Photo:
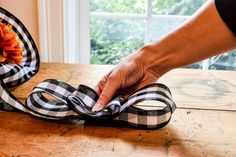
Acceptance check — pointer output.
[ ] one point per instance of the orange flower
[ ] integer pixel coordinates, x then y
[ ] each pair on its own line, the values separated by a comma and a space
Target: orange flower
10, 50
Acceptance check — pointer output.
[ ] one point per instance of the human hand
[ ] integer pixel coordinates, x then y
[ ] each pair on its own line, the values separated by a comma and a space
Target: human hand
191, 42
126, 78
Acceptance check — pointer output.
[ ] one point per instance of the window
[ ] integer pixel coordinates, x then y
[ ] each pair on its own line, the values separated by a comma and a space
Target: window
119, 27
106, 31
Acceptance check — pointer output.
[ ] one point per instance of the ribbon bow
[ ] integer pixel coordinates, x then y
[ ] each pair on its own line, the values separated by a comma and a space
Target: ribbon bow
75, 103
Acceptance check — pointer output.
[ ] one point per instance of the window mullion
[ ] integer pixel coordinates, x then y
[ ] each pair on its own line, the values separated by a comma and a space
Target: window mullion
76, 31
84, 31
206, 64
148, 32
117, 15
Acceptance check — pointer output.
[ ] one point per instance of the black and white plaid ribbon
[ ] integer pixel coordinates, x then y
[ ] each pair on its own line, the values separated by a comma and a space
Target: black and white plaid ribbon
73, 103
12, 75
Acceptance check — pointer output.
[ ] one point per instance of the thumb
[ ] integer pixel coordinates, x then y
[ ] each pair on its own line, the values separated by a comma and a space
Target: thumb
107, 94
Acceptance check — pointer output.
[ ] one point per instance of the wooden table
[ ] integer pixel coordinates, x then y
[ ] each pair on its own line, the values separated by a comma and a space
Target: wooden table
204, 123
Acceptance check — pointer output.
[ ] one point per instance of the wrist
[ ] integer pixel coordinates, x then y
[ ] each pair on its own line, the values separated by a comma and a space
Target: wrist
155, 60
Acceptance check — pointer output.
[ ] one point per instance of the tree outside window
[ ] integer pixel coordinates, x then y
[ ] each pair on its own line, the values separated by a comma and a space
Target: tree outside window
120, 27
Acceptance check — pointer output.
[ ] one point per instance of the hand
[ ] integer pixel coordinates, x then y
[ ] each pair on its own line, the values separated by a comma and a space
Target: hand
124, 79
191, 42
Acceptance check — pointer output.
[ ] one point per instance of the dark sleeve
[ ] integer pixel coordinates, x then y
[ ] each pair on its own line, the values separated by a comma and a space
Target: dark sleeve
227, 11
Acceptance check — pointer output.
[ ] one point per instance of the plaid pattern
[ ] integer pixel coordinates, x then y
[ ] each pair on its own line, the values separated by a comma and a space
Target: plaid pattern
68, 102
10, 74
78, 103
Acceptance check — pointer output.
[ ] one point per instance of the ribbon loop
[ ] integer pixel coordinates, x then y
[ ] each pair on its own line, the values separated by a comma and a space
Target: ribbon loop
78, 103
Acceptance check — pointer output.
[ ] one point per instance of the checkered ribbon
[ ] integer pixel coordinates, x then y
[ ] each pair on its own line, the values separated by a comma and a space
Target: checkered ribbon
12, 75
66, 102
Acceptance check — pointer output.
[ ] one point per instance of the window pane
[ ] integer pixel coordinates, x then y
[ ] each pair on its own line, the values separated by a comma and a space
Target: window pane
195, 66
114, 39
118, 6
162, 26
225, 61
176, 7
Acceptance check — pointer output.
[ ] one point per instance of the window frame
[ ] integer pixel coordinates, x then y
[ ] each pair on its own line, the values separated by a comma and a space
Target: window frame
76, 31
77, 45
64, 31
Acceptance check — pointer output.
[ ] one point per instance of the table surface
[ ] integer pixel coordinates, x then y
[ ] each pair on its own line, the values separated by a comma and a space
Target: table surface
204, 124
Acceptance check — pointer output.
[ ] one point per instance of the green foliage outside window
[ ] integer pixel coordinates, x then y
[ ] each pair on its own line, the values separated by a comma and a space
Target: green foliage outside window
114, 39
118, 6
176, 7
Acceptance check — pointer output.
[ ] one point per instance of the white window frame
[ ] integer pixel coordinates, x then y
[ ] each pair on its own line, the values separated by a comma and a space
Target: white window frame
76, 31
64, 31
75, 39
50, 26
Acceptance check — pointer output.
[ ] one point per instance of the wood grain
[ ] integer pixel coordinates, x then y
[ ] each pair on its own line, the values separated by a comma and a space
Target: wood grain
195, 134
190, 88
203, 125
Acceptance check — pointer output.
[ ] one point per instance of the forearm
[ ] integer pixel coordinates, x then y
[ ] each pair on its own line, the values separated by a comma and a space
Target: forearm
203, 36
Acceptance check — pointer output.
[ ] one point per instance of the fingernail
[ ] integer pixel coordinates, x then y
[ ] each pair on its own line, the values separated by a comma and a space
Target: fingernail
97, 107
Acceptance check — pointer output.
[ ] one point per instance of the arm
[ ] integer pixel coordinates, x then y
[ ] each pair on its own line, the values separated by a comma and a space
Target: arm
201, 37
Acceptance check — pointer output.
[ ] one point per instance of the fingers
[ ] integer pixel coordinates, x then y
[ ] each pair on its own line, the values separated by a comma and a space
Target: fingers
107, 94
99, 87
101, 84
